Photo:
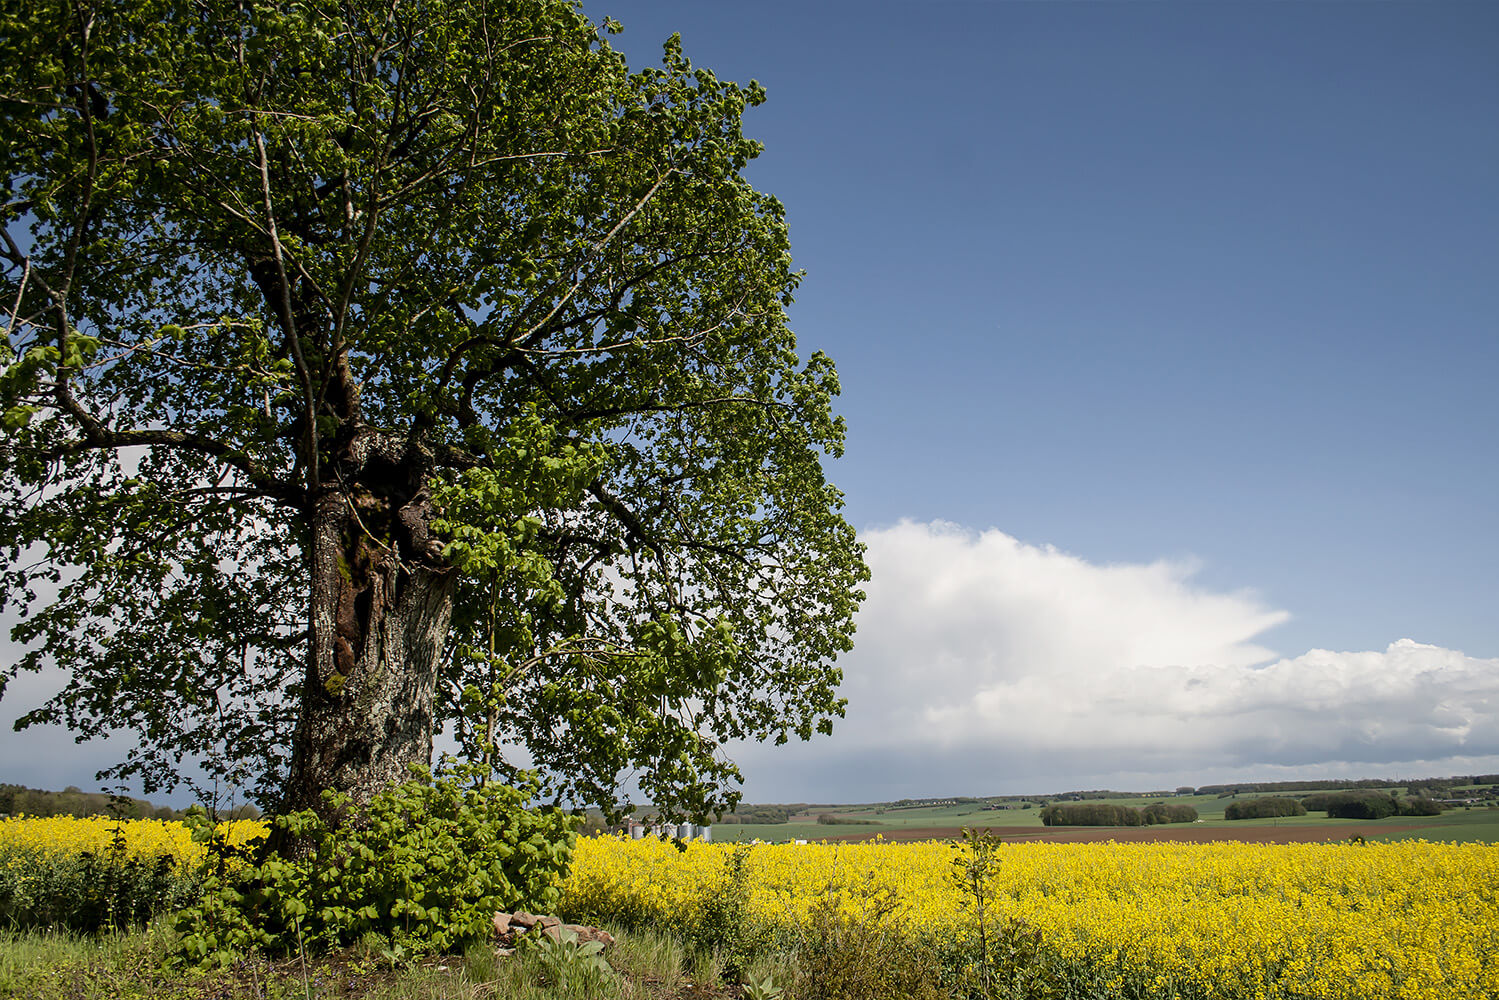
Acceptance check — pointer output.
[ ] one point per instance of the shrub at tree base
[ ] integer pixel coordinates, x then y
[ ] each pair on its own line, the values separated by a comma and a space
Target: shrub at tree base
1267, 807
425, 865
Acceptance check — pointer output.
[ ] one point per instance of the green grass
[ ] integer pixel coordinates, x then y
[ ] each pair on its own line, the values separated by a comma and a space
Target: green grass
1478, 825
65, 966
881, 818
785, 831
129, 966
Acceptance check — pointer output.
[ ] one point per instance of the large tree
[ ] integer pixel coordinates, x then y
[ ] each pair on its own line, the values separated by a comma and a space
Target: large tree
379, 366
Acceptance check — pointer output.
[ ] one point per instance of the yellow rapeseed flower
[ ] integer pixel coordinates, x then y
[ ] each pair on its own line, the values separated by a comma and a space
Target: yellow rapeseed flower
60, 836
1410, 920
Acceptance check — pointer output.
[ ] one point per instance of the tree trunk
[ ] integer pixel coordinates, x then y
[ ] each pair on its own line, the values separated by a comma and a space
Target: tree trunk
381, 604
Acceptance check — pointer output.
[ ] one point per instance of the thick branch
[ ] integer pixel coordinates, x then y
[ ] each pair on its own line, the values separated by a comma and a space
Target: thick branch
99, 438
635, 529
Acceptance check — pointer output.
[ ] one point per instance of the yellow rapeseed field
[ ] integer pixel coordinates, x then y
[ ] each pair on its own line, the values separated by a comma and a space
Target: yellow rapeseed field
1399, 920
61, 836
1410, 920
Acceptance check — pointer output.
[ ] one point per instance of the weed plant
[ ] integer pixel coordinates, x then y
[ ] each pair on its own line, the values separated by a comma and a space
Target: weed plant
859, 957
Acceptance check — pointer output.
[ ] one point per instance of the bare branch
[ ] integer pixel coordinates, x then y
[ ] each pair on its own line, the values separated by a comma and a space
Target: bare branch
598, 248
15, 311
309, 396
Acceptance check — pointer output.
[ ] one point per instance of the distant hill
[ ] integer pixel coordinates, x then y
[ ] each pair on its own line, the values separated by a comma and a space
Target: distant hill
1485, 787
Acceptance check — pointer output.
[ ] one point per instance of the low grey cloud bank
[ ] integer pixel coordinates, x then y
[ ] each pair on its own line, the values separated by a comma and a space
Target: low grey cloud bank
986, 664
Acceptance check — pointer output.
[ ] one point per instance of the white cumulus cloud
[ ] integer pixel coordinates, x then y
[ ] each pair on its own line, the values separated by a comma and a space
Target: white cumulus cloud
985, 663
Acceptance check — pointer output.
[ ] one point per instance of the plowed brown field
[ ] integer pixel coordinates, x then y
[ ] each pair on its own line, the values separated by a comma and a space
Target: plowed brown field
1180, 832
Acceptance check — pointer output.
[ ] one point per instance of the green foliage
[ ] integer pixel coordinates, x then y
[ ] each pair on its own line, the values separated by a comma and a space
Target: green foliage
64, 965
1266, 807
974, 871
1019, 965
1370, 804
1420, 806
757, 814
856, 957
568, 963
1362, 805
1163, 812
764, 988
726, 928
1319, 801
1002, 956
458, 270
1109, 814
1089, 814
425, 865
90, 892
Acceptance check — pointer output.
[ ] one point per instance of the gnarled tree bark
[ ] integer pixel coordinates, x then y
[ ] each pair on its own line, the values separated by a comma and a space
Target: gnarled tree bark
381, 602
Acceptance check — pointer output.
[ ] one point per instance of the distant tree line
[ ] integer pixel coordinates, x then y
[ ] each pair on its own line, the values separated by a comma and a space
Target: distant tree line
1272, 806
1096, 793
951, 800
1487, 791
1110, 814
1420, 802
1370, 804
1158, 813
1366, 806
1321, 784
828, 819
1429, 791
16, 800
760, 814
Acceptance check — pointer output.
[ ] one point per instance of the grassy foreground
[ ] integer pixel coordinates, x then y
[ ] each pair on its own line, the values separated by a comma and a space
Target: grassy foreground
128, 966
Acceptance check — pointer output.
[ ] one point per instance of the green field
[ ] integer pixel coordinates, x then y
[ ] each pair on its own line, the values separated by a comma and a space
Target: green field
1476, 824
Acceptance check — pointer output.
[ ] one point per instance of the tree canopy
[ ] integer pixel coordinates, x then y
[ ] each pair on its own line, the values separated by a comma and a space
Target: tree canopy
382, 367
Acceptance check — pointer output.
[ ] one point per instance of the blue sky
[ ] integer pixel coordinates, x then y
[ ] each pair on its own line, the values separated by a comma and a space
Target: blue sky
1154, 279
1169, 339
1207, 287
